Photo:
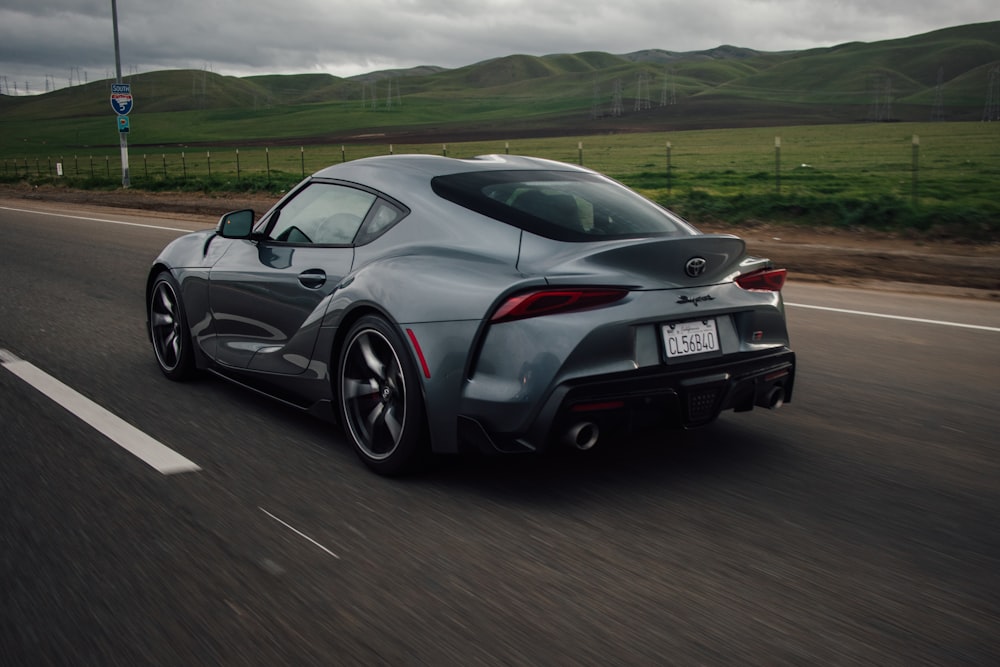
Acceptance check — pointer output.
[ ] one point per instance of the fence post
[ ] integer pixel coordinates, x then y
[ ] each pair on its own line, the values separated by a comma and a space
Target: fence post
48, 159
237, 164
184, 166
302, 158
164, 156
267, 159
444, 150
668, 169
777, 165
916, 166
38, 167
506, 148
91, 166
579, 152
208, 157
107, 165
343, 154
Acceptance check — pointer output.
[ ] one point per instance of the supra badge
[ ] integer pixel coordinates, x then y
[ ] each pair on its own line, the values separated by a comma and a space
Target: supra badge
684, 298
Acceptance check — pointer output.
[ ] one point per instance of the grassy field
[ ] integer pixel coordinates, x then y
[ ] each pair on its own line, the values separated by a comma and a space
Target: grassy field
864, 174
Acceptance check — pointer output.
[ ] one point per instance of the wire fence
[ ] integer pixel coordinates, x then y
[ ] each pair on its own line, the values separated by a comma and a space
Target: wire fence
872, 161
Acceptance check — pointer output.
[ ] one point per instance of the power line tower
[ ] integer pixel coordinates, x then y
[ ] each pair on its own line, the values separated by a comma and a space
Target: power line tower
882, 104
992, 110
937, 111
642, 93
616, 99
392, 96
668, 96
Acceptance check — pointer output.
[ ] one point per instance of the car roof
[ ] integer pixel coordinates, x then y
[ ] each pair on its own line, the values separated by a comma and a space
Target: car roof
430, 166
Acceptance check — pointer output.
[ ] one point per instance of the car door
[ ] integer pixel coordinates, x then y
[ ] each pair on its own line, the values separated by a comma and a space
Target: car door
268, 294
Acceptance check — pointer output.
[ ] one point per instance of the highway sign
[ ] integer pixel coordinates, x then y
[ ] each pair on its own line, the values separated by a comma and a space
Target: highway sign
121, 98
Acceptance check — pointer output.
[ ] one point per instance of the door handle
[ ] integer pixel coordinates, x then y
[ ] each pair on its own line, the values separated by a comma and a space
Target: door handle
312, 278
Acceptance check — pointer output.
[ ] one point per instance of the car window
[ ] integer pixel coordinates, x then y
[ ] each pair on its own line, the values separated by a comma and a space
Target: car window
567, 206
322, 213
384, 215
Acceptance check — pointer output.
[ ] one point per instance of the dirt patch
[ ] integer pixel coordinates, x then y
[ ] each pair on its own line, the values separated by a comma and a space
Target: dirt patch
834, 256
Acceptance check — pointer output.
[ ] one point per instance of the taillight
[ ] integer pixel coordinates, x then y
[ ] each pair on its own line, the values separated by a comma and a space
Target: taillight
552, 301
764, 280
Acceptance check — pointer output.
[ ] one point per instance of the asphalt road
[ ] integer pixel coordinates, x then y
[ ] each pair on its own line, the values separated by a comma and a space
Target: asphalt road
857, 525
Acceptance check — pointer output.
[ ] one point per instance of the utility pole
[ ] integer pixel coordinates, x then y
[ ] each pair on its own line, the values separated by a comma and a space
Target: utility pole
122, 136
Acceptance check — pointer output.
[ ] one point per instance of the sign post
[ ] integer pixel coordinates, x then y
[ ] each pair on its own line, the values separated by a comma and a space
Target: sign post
121, 100
121, 103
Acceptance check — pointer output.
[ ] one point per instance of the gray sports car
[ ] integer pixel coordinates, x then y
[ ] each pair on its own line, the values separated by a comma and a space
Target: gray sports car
502, 304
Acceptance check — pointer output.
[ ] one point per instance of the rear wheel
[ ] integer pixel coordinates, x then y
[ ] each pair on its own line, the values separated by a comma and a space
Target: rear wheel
168, 329
381, 406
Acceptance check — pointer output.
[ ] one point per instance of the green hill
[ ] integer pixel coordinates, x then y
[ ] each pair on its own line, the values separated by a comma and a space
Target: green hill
946, 71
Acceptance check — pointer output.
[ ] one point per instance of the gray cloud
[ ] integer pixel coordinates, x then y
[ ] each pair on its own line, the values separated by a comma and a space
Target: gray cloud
46, 38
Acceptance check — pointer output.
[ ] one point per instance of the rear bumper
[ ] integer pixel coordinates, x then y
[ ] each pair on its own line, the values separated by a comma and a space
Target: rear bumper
661, 398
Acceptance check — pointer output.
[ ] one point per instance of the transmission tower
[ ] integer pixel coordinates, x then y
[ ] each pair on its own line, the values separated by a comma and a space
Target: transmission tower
937, 111
616, 99
992, 110
882, 104
669, 93
392, 95
642, 93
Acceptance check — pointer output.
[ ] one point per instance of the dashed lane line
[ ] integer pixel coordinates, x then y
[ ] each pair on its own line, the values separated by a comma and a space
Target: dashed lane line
104, 220
921, 320
123, 434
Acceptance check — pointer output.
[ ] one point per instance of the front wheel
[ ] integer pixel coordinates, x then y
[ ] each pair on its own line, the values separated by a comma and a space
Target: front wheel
381, 406
168, 329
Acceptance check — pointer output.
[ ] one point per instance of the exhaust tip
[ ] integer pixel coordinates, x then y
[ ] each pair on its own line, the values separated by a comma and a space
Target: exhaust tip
776, 398
583, 436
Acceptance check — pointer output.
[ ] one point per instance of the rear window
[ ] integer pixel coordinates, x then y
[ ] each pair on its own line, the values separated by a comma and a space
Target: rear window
561, 205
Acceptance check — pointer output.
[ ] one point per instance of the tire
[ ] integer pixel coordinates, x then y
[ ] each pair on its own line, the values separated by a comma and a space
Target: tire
168, 329
380, 400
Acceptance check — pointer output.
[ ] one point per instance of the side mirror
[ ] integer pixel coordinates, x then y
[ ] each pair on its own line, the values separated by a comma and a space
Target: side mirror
236, 224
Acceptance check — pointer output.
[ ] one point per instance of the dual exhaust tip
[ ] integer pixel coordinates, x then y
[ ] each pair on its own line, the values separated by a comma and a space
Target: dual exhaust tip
584, 435
775, 398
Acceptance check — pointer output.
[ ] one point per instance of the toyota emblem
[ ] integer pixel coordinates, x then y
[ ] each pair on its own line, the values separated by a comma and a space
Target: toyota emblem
695, 266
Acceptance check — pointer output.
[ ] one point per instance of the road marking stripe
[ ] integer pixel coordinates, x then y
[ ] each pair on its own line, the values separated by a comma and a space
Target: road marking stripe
298, 532
123, 434
896, 317
80, 217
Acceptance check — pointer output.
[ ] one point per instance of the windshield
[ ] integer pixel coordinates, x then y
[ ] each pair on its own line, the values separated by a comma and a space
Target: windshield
562, 205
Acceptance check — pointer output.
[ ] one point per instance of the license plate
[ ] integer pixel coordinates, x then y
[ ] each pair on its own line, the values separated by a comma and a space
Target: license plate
695, 337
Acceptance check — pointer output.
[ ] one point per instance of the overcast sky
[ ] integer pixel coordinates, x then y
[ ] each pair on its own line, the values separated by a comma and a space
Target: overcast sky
46, 43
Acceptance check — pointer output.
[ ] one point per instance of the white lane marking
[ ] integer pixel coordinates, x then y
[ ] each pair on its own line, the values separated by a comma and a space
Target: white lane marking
123, 434
80, 217
943, 323
298, 532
